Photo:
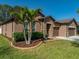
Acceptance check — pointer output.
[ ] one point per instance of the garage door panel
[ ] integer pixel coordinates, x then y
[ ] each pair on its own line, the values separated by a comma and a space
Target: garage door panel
71, 31
56, 31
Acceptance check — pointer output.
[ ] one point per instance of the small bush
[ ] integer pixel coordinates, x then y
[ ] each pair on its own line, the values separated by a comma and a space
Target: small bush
37, 35
18, 36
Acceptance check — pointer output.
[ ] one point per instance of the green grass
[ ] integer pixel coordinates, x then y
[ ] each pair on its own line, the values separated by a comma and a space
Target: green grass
59, 49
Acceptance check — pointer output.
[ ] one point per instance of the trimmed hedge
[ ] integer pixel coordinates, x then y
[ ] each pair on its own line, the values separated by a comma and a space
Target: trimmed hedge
18, 36
37, 35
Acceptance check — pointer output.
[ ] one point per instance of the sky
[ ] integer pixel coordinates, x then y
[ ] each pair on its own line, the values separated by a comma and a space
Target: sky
58, 9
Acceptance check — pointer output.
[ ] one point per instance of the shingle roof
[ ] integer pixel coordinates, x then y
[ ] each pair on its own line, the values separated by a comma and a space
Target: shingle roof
64, 21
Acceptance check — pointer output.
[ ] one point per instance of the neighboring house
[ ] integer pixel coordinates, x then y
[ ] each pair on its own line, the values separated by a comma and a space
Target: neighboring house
53, 28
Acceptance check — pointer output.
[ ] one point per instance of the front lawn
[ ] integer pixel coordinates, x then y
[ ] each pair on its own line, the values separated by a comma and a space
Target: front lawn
59, 49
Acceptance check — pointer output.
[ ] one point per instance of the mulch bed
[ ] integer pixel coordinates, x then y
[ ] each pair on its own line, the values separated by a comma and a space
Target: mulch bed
23, 44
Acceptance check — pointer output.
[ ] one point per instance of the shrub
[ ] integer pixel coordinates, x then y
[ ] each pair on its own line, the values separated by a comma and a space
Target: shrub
37, 35
18, 36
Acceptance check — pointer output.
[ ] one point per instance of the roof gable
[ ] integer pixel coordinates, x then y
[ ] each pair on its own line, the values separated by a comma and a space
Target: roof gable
49, 18
67, 21
73, 20
39, 14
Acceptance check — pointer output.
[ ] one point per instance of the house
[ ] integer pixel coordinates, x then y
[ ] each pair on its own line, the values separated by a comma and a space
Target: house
52, 27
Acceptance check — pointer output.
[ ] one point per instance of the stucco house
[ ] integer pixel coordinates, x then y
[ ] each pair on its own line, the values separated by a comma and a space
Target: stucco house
52, 27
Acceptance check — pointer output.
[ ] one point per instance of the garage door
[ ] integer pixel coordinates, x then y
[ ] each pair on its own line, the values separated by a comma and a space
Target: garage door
56, 31
71, 31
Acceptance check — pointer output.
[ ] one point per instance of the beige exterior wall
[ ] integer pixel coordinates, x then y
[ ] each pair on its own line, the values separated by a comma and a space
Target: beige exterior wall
38, 26
3, 29
9, 30
18, 27
10, 27
14, 24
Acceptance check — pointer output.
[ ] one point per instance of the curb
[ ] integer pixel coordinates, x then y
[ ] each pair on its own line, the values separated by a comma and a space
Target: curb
25, 47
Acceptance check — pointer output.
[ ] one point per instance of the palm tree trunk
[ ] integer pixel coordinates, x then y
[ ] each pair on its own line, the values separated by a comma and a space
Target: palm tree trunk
44, 30
29, 33
25, 36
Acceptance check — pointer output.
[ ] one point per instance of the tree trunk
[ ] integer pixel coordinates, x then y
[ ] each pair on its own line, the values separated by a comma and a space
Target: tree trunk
44, 30
25, 36
29, 33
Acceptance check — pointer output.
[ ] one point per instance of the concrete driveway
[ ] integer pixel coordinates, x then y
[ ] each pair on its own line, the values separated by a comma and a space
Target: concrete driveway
71, 38
74, 38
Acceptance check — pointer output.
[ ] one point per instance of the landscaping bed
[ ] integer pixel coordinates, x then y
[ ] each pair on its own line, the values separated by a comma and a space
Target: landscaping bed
22, 44
19, 40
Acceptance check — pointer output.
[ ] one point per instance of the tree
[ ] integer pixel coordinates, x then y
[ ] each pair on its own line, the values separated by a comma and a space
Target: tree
43, 20
25, 15
30, 18
20, 14
4, 15
77, 11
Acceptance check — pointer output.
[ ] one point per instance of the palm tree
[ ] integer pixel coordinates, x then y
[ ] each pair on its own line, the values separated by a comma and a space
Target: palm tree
25, 15
43, 19
30, 18
20, 14
77, 11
